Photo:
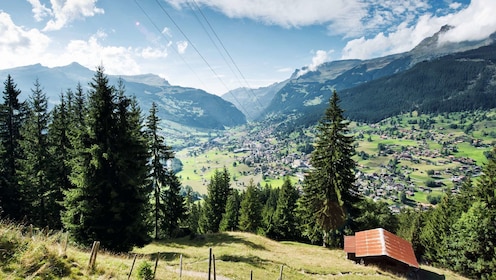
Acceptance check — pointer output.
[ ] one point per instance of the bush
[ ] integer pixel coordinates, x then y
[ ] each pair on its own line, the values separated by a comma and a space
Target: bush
145, 271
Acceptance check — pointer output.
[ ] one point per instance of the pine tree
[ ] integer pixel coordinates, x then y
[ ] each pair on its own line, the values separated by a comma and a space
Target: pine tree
215, 203
60, 144
109, 171
12, 114
39, 194
230, 218
160, 154
175, 208
329, 192
285, 221
193, 212
268, 198
250, 217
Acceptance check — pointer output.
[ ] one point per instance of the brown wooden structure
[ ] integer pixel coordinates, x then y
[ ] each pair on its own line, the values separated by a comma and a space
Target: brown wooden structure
381, 247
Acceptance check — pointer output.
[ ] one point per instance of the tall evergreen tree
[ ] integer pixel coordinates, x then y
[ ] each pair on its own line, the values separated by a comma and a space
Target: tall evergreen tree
160, 154
12, 114
230, 218
215, 204
39, 194
250, 217
60, 144
175, 208
268, 198
193, 213
329, 192
285, 218
109, 171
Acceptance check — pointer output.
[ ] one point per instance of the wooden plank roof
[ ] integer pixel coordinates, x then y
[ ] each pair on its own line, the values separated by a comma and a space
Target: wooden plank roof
380, 242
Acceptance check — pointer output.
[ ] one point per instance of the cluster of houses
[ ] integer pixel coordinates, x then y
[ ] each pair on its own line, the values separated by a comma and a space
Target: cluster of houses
269, 157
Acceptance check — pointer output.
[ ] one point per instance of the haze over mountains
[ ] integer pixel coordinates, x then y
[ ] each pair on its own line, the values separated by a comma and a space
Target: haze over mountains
186, 106
432, 77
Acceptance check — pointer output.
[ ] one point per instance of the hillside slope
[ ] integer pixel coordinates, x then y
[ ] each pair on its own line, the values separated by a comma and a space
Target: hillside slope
186, 106
42, 256
307, 93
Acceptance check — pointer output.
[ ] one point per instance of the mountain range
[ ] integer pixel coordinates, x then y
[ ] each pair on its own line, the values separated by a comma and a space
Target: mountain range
435, 76
186, 106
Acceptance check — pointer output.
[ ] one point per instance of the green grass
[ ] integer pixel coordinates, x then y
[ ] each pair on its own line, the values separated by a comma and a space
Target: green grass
237, 254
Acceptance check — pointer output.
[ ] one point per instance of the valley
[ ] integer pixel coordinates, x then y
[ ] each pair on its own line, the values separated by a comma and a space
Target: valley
409, 159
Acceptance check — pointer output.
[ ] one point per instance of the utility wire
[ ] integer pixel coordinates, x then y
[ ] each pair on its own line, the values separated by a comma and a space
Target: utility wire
228, 54
198, 52
162, 34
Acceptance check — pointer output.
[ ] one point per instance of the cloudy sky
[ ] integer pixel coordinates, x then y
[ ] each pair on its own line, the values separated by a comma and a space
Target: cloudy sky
220, 45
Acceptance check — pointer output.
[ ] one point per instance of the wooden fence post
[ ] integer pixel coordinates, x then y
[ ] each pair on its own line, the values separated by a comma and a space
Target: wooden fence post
213, 260
209, 262
93, 254
181, 267
156, 264
132, 266
251, 274
280, 273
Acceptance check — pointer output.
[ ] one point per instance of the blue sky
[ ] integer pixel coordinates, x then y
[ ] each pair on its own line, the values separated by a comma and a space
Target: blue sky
220, 45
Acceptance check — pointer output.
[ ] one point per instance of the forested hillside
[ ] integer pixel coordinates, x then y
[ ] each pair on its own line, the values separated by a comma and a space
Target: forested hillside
372, 92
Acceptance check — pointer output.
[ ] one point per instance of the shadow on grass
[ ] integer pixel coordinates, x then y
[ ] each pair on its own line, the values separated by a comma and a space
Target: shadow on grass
215, 239
164, 256
251, 260
427, 275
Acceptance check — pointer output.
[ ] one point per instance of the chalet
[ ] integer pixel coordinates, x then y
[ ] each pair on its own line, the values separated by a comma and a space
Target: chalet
381, 247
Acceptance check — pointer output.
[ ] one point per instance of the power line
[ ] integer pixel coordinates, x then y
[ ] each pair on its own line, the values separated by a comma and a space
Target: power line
182, 58
250, 90
197, 51
162, 34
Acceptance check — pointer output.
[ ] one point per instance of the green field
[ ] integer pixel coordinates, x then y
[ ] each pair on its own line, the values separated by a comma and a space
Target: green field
434, 142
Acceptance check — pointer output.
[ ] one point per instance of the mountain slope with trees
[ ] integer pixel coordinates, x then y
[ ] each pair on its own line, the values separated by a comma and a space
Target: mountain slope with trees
185, 106
433, 72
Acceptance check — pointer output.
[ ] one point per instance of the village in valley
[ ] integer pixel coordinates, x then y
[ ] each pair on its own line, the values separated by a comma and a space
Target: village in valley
408, 161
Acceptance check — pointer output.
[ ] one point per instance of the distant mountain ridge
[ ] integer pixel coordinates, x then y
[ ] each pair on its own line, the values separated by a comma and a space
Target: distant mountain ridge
186, 106
307, 92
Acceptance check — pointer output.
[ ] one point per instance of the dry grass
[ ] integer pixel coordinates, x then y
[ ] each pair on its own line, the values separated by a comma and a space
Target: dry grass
42, 256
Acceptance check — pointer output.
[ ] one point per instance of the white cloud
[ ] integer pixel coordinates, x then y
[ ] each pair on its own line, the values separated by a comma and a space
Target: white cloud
320, 57
290, 13
116, 59
152, 53
167, 31
403, 39
182, 46
39, 10
21, 46
475, 22
455, 5
66, 11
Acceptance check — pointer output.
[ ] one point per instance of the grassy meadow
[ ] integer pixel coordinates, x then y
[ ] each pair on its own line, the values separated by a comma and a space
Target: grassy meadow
237, 255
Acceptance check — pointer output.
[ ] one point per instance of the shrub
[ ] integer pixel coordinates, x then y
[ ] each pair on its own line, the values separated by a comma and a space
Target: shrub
145, 271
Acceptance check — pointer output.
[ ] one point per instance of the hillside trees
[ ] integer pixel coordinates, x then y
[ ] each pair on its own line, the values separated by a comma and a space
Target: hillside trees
109, 171
41, 196
12, 115
215, 204
168, 205
230, 219
250, 213
329, 195
285, 223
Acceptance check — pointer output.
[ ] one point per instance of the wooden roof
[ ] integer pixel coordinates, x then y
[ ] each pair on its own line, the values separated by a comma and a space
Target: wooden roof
380, 242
